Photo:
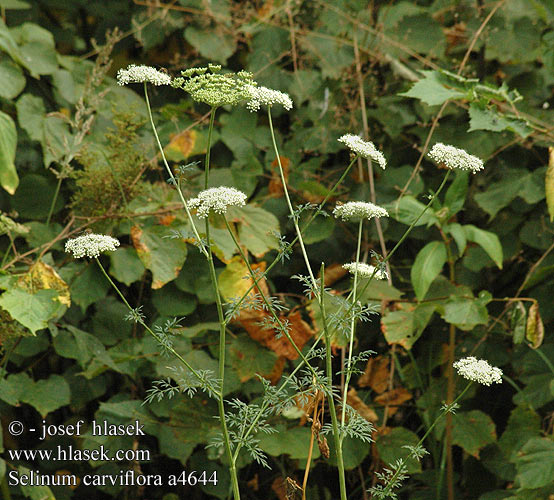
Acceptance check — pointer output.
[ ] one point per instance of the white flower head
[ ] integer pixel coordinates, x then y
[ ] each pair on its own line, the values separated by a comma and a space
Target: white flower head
216, 199
356, 210
364, 149
91, 245
141, 74
262, 96
365, 270
478, 370
455, 158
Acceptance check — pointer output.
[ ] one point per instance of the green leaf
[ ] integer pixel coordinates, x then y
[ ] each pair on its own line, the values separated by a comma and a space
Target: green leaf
8, 142
65, 85
408, 209
466, 312
431, 89
125, 265
354, 452
257, 229
320, 229
162, 255
40, 59
87, 284
427, 266
391, 448
404, 327
294, 442
523, 425
34, 492
332, 55
31, 310
12, 80
549, 184
34, 197
47, 395
248, 358
482, 118
536, 392
457, 192
30, 115
214, 44
459, 235
170, 301
472, 431
535, 463
488, 241
518, 317
14, 4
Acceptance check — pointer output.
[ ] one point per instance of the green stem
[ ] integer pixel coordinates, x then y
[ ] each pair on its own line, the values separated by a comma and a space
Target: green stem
54, 199
172, 177
352, 329
329, 373
208, 149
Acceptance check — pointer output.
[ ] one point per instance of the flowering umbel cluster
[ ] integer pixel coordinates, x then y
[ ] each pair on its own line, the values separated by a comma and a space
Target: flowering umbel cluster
455, 158
141, 74
356, 210
211, 87
91, 245
365, 270
478, 370
364, 149
216, 199
262, 96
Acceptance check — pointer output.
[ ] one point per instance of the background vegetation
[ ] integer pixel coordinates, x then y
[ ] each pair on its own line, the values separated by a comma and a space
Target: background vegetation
76, 153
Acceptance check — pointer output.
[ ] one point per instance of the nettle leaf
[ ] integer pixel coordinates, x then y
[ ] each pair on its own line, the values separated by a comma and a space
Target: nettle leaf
427, 266
47, 395
257, 229
32, 310
488, 241
482, 118
466, 312
535, 463
432, 90
125, 265
162, 255
12, 80
30, 115
8, 141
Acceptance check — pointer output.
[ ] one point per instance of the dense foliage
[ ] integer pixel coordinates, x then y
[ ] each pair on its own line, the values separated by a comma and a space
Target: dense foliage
475, 276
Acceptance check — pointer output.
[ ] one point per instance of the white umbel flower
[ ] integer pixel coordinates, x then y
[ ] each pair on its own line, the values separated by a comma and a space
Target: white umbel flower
141, 74
478, 370
364, 149
216, 199
262, 96
365, 270
91, 245
455, 158
356, 210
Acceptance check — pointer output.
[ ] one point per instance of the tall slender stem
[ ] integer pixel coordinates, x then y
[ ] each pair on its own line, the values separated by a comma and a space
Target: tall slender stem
208, 149
54, 199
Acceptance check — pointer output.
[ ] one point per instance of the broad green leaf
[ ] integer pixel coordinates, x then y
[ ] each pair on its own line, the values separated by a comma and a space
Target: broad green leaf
31, 310
549, 184
213, 44
30, 115
14, 4
162, 255
431, 89
320, 229
377, 290
65, 85
459, 235
457, 192
34, 492
391, 447
536, 392
488, 119
332, 55
466, 312
408, 209
47, 395
257, 229
9, 45
421, 33
405, 326
248, 358
125, 265
34, 197
354, 452
523, 425
12, 80
472, 431
294, 442
8, 142
518, 317
86, 282
170, 301
427, 266
57, 140
535, 463
488, 241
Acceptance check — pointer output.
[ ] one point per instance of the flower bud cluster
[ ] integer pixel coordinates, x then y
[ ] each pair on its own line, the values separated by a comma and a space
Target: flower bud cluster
216, 199
91, 245
364, 149
141, 74
262, 96
455, 158
211, 87
365, 270
356, 210
478, 370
